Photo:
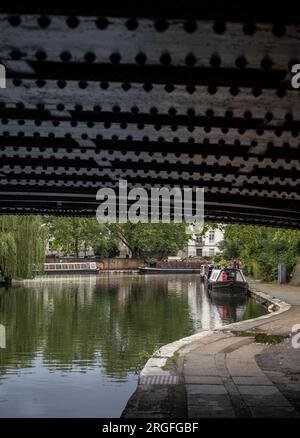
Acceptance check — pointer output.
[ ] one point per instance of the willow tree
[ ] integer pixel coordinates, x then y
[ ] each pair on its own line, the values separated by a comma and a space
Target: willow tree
22, 246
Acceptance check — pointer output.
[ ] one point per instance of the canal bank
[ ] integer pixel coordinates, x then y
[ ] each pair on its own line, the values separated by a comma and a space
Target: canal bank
245, 369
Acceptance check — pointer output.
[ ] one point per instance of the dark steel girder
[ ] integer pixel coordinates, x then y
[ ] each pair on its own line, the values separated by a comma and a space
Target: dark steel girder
167, 94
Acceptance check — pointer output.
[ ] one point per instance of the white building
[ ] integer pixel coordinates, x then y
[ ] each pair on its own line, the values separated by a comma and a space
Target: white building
203, 246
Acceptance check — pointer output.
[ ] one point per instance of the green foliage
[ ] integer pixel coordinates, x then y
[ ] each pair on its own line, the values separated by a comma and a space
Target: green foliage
230, 249
261, 338
22, 246
211, 226
144, 239
261, 249
107, 248
8, 252
217, 258
121, 320
73, 234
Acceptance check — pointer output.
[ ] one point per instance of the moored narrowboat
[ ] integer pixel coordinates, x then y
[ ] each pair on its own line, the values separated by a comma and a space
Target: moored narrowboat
230, 281
146, 270
84, 268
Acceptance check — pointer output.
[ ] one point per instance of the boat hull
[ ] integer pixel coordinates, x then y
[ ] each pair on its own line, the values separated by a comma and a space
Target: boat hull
168, 271
228, 288
72, 272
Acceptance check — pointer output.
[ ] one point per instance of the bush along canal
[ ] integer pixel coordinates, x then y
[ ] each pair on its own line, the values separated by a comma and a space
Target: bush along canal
75, 346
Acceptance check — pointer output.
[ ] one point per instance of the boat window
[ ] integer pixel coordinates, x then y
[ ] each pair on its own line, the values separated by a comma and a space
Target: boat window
230, 274
214, 274
239, 276
69, 266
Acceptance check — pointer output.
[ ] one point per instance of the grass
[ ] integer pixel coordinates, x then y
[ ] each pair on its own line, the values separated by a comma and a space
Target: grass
262, 338
175, 358
143, 357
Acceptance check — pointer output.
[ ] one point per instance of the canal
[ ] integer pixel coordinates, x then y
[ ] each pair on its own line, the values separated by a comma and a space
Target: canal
74, 346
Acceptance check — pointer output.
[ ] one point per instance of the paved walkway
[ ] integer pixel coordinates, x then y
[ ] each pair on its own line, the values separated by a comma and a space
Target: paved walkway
222, 379
225, 375
221, 374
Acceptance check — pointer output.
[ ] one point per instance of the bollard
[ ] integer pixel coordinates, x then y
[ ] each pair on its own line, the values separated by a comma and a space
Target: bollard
281, 273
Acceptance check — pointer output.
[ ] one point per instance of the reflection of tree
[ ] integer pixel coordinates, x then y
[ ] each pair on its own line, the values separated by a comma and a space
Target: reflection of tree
72, 323
22, 314
2, 336
254, 310
157, 317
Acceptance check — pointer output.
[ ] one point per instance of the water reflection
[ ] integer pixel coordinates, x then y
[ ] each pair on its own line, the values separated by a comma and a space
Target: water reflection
73, 345
236, 308
2, 336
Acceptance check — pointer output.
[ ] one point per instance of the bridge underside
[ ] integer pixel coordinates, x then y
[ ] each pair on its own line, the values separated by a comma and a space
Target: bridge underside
166, 96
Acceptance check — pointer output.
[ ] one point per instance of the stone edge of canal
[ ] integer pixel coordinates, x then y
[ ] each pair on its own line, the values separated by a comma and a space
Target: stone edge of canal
161, 369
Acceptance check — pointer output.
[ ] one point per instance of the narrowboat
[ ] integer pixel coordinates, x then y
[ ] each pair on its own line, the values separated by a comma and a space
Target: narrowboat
85, 268
146, 270
180, 266
229, 281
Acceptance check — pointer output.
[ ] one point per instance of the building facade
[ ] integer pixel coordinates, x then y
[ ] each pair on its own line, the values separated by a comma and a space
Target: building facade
203, 246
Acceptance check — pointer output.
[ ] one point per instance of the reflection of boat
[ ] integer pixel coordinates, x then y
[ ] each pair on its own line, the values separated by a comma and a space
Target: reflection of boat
85, 268
229, 281
231, 300
230, 308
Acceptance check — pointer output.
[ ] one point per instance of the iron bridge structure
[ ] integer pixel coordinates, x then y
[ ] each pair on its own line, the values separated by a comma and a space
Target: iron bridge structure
173, 94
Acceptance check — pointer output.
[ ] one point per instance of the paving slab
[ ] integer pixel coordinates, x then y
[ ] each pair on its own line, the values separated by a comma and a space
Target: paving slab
231, 387
208, 380
241, 370
257, 389
194, 412
205, 389
210, 405
274, 412
265, 400
251, 380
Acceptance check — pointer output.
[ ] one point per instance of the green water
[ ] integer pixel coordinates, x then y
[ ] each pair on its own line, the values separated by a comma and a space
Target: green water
74, 346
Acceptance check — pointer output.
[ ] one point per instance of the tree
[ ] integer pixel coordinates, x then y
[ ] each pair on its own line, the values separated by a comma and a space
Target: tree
144, 239
107, 248
22, 246
211, 226
230, 249
260, 249
73, 234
